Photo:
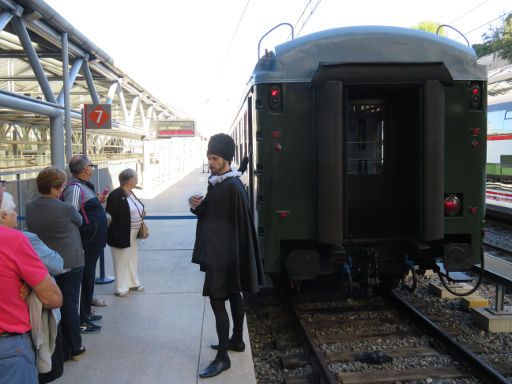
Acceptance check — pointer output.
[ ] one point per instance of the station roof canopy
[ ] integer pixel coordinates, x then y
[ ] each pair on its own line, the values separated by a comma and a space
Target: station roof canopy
31, 73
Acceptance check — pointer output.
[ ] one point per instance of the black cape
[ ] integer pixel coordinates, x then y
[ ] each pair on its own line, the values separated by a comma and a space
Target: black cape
226, 245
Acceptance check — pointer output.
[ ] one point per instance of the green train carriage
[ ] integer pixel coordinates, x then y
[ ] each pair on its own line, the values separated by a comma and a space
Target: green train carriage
367, 149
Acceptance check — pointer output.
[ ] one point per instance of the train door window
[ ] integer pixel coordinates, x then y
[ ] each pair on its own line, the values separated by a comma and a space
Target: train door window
365, 141
507, 123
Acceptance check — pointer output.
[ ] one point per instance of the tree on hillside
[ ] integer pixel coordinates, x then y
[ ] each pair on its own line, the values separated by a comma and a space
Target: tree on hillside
497, 39
429, 26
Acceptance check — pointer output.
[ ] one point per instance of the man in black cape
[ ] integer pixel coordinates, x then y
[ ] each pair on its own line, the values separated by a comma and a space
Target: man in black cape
225, 248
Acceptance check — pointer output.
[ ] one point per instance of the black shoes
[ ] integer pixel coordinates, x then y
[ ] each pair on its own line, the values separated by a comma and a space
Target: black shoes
216, 367
89, 328
75, 356
93, 317
232, 346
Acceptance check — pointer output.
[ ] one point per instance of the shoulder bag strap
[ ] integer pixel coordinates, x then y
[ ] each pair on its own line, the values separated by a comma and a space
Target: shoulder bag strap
136, 206
82, 194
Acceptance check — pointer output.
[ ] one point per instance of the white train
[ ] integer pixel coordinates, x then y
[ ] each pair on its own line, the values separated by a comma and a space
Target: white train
499, 151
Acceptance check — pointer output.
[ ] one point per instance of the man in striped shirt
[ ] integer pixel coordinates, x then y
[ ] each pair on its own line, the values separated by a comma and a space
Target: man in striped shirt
81, 194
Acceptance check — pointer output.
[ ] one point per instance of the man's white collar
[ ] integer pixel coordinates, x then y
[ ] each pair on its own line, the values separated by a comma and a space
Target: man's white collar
214, 179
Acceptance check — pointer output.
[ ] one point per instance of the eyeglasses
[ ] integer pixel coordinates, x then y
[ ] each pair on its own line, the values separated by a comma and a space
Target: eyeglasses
3, 183
91, 165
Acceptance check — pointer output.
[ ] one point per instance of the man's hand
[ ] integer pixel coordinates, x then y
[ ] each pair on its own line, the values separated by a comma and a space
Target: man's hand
24, 291
195, 201
101, 197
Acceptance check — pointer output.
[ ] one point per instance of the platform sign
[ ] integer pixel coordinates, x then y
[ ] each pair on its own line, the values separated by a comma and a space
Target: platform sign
98, 116
176, 128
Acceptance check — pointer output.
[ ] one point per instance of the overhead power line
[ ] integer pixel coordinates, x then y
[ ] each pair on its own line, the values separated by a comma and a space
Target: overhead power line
488, 22
468, 12
221, 64
313, 9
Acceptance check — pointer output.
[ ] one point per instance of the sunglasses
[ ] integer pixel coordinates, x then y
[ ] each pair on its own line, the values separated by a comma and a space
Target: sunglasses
3, 183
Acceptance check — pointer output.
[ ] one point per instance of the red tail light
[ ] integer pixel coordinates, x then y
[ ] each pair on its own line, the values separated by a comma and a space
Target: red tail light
452, 205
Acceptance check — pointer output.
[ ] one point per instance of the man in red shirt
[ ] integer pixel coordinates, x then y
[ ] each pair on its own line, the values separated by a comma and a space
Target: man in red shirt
20, 263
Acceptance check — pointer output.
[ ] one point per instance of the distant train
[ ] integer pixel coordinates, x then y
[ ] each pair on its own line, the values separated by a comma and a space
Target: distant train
367, 149
499, 152
499, 139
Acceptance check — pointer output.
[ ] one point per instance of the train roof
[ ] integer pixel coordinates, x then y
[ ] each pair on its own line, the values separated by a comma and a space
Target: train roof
298, 60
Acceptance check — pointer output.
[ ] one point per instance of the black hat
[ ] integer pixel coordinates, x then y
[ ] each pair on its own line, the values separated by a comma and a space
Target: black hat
221, 145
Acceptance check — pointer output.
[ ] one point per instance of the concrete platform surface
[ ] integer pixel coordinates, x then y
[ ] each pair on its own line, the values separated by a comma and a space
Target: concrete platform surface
162, 335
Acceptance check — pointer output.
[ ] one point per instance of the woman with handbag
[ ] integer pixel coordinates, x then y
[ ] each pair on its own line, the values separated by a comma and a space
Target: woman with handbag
127, 226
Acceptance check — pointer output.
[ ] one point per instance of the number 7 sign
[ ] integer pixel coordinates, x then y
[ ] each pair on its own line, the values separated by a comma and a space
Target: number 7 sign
98, 116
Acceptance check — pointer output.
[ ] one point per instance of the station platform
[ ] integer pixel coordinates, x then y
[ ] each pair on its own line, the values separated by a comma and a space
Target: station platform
162, 335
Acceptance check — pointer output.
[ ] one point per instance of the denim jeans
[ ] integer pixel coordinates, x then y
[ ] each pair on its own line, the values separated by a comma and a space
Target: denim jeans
17, 360
69, 284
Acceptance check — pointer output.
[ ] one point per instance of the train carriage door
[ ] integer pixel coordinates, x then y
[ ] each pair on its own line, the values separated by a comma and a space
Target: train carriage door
382, 139
329, 135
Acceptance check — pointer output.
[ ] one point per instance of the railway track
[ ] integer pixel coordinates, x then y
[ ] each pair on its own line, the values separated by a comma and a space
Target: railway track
378, 341
498, 240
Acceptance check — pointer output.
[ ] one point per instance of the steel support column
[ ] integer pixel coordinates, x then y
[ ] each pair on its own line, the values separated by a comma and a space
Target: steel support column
57, 141
22, 33
90, 83
73, 73
5, 17
111, 92
133, 110
120, 93
67, 103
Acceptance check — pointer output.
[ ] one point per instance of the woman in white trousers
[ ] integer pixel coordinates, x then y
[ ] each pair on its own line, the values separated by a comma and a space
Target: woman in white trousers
127, 213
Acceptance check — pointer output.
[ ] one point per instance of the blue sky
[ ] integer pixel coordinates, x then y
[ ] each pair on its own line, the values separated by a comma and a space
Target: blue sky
188, 54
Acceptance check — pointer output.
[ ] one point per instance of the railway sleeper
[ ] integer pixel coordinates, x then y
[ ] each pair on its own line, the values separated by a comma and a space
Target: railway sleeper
296, 379
386, 376
354, 338
345, 357
294, 360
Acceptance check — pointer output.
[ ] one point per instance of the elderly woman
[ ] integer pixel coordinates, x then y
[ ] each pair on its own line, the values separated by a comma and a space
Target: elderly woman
57, 223
9, 218
127, 213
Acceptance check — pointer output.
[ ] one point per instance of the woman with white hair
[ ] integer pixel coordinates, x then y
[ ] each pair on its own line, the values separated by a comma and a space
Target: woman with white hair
9, 218
127, 212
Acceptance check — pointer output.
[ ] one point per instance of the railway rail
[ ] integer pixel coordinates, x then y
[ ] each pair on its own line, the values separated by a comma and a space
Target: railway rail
340, 339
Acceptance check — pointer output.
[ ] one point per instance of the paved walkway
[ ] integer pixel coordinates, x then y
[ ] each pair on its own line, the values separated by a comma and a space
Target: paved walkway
164, 334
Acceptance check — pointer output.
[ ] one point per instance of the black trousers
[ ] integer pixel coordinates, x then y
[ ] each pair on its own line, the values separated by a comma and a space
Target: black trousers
69, 284
91, 258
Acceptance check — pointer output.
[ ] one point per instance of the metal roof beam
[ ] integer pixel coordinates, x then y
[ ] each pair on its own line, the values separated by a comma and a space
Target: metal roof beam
111, 92
19, 54
19, 26
23, 103
5, 17
90, 82
72, 77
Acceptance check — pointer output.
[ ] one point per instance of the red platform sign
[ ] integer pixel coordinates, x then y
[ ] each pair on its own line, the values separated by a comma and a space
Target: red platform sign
98, 116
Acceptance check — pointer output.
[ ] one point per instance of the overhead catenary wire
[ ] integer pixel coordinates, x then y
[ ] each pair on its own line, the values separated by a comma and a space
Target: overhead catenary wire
486, 23
490, 21
233, 37
313, 9
468, 12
